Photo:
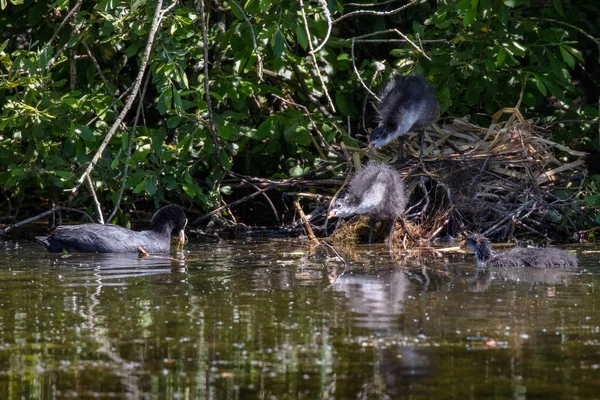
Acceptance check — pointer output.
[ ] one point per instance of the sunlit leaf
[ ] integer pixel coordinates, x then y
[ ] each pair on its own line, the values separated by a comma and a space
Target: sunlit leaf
500, 57
301, 35
296, 171
84, 132
139, 187
470, 13
64, 174
567, 57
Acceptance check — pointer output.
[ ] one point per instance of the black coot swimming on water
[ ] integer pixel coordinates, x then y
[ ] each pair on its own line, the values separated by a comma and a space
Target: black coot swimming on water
377, 191
407, 104
97, 238
547, 257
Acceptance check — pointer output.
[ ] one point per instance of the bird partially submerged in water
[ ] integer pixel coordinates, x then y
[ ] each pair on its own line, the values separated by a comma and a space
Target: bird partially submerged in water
99, 238
407, 104
377, 191
520, 256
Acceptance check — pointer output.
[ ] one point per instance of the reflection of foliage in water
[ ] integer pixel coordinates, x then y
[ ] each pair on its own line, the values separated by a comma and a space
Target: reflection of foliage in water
263, 318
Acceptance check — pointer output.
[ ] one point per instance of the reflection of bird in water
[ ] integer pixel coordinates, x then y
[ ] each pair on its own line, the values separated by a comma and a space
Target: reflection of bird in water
377, 191
376, 300
531, 277
99, 238
407, 103
518, 257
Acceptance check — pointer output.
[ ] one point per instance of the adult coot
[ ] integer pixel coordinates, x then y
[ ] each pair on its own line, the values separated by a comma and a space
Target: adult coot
407, 103
377, 191
97, 238
519, 257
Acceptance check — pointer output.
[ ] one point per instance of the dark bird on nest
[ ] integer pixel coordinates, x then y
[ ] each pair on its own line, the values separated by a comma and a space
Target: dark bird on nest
377, 191
98, 238
407, 104
547, 257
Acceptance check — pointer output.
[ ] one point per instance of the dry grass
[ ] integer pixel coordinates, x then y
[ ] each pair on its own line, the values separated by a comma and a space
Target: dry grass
500, 181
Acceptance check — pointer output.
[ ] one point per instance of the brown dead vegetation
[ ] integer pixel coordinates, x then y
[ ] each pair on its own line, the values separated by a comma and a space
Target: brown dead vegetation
505, 180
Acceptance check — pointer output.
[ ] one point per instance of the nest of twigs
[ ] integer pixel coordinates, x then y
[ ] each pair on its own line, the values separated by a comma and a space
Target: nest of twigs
507, 180
502, 181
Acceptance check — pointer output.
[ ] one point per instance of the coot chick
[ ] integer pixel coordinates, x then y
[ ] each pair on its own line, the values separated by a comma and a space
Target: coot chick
519, 257
98, 238
407, 104
377, 191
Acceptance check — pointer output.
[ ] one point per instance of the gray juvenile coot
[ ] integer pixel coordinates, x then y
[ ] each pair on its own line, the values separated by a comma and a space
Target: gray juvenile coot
519, 257
97, 238
377, 191
407, 103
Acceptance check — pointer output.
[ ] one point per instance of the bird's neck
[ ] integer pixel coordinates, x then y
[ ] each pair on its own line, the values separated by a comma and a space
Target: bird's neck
164, 230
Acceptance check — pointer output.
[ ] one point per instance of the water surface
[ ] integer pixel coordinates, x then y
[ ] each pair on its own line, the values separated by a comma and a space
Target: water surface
277, 319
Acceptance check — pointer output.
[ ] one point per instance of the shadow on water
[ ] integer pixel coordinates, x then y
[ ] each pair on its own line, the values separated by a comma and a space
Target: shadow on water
262, 318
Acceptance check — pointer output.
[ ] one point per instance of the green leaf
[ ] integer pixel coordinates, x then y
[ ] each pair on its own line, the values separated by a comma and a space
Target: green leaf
557, 66
236, 11
567, 57
278, 44
264, 5
517, 48
500, 57
445, 99
150, 186
346, 107
224, 131
574, 52
297, 133
540, 85
591, 200
139, 187
57, 182
470, 14
172, 122
559, 8
84, 132
107, 5
267, 128
70, 101
132, 50
45, 56
301, 35
296, 171
16, 171
64, 174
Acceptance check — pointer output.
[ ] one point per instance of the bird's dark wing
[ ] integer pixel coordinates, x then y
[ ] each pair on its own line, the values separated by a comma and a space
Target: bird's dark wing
98, 238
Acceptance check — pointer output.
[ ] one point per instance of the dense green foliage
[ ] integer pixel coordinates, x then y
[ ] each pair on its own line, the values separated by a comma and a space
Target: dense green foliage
483, 54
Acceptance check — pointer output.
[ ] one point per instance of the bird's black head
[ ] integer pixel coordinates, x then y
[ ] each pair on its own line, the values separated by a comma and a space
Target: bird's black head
169, 220
342, 207
480, 245
382, 135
